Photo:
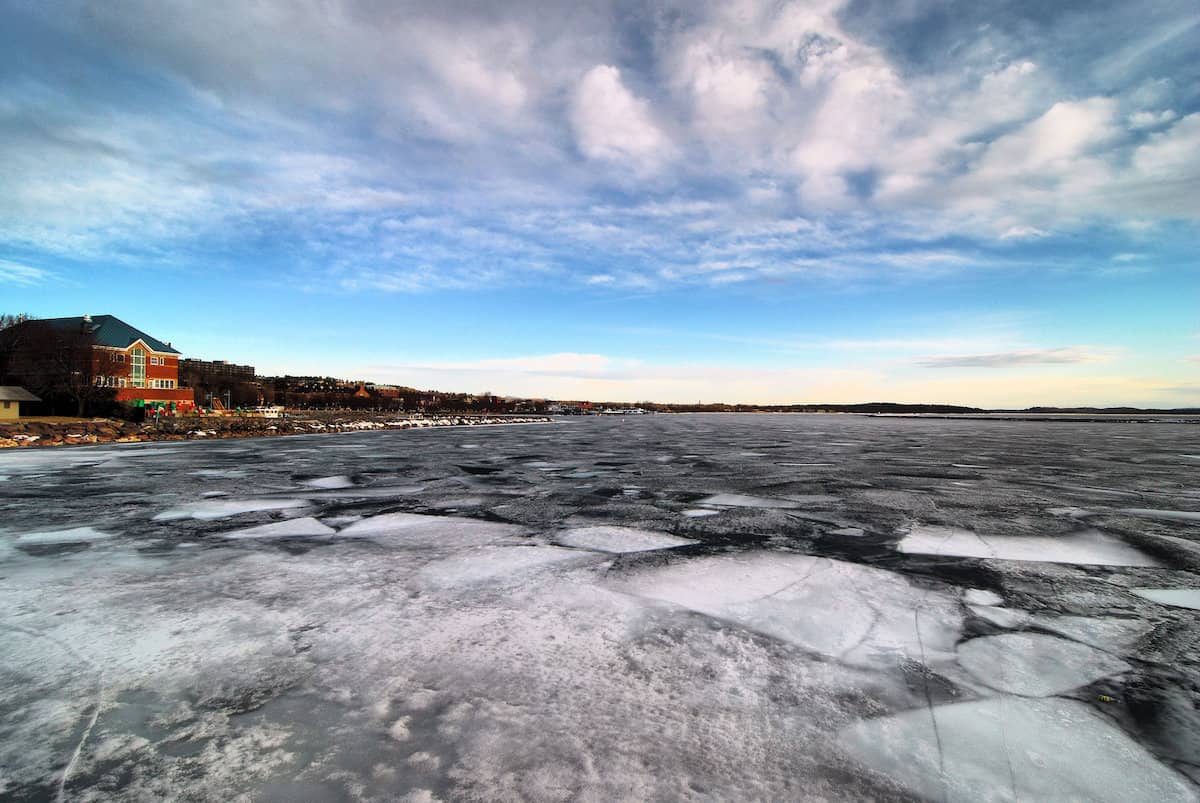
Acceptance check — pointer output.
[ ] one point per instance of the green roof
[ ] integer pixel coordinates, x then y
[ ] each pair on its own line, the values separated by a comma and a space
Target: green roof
110, 330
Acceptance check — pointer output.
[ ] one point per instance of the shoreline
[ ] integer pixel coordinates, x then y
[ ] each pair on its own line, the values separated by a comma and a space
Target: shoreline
41, 435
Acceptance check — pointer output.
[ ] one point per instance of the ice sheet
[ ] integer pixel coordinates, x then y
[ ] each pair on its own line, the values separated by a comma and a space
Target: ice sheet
306, 527
1175, 597
492, 564
880, 616
224, 508
619, 539
1035, 665
1088, 547
1014, 749
979, 596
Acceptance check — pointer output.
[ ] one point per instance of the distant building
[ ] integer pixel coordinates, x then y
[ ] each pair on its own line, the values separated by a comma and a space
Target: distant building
218, 369
10, 401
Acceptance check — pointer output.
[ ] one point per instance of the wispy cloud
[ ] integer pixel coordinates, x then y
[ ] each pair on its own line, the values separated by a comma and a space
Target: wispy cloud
1067, 355
25, 275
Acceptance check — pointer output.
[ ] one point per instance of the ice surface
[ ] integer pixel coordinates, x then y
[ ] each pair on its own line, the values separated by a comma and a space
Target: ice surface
619, 539
72, 536
1007, 748
340, 481
289, 668
1089, 547
1176, 597
1178, 515
979, 596
291, 528
849, 532
1034, 665
745, 500
699, 512
224, 508
879, 614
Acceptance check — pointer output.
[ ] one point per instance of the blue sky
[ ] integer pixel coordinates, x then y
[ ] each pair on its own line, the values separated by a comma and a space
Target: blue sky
979, 203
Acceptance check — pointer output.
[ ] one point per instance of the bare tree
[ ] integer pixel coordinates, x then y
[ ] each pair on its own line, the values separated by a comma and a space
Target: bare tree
58, 363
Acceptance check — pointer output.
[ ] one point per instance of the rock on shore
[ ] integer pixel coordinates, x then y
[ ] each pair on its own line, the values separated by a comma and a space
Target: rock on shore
104, 430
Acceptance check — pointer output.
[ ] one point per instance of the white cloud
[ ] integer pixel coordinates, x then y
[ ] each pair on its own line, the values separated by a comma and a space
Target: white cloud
1148, 119
24, 275
613, 124
1067, 355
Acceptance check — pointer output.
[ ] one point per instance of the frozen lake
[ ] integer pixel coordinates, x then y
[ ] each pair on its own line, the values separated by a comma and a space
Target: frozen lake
651, 608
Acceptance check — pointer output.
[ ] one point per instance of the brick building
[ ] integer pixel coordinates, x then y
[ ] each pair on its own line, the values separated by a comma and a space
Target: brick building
143, 369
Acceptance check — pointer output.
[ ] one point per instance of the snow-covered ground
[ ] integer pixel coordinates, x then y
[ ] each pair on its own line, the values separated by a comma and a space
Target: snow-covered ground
661, 607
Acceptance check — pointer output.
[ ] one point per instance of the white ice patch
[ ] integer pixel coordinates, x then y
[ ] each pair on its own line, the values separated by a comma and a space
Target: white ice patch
744, 500
1153, 513
1034, 665
76, 535
292, 528
1089, 547
492, 563
412, 529
1000, 617
1013, 749
699, 512
1175, 597
619, 539
340, 481
979, 596
207, 511
849, 532
879, 616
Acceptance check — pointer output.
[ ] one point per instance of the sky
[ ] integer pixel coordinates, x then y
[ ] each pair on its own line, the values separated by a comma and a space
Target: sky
993, 204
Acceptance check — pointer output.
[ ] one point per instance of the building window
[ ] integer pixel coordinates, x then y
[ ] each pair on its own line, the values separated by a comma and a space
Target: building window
138, 368
121, 382
156, 360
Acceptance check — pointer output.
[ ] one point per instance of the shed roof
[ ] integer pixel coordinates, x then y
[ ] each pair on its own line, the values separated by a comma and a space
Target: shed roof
110, 330
16, 393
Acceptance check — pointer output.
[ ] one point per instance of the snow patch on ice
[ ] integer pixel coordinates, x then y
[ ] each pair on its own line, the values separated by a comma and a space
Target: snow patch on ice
207, 511
1035, 665
849, 532
619, 539
1175, 597
1013, 749
292, 528
75, 535
699, 512
879, 614
1088, 547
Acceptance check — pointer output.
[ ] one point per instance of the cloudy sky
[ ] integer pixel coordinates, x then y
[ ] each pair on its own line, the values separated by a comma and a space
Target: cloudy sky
913, 200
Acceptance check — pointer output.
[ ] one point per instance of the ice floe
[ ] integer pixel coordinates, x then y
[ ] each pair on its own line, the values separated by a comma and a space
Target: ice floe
306, 527
880, 616
224, 508
75, 535
1013, 749
1035, 665
700, 512
1175, 597
1088, 547
619, 539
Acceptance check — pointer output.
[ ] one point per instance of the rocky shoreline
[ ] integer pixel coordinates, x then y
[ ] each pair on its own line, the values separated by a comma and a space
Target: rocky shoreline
27, 434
